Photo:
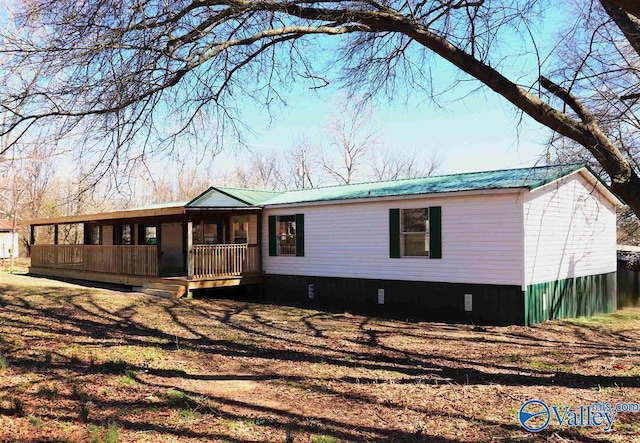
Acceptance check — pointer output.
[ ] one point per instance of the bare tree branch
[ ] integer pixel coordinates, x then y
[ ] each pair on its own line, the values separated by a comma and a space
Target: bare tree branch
146, 73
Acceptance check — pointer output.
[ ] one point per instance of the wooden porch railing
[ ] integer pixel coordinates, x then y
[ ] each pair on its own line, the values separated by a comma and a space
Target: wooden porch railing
121, 259
210, 261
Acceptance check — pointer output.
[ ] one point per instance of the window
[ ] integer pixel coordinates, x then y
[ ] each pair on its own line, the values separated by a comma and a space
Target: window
196, 232
415, 232
95, 235
150, 235
126, 238
210, 233
286, 235
240, 229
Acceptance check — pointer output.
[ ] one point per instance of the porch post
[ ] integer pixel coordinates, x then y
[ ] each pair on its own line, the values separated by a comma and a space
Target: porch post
55, 250
259, 241
159, 247
190, 250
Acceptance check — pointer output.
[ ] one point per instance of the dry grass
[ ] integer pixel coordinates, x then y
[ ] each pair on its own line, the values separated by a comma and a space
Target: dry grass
87, 364
20, 265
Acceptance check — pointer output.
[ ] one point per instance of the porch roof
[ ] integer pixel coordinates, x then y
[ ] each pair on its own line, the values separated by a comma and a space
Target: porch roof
175, 208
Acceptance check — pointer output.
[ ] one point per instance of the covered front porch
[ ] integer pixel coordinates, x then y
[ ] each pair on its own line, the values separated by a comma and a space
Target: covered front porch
184, 244
207, 261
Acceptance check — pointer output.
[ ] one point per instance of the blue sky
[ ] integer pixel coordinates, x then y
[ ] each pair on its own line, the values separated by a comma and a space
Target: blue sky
471, 131
479, 132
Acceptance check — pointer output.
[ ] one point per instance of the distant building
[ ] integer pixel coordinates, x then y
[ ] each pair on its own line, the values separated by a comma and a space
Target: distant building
8, 240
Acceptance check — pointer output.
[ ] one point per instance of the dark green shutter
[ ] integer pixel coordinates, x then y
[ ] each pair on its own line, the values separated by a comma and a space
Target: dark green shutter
394, 233
273, 247
435, 232
300, 235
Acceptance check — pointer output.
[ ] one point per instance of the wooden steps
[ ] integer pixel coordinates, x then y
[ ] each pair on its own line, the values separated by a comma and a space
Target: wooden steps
167, 290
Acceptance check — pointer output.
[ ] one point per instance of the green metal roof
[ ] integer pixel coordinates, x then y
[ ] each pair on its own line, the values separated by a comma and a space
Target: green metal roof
250, 196
241, 197
530, 178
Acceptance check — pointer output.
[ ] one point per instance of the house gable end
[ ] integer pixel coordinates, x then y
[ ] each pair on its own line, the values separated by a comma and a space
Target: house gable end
585, 173
220, 197
216, 198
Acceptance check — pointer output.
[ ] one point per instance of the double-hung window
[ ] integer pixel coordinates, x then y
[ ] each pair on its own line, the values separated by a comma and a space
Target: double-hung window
126, 237
286, 235
415, 232
95, 235
150, 235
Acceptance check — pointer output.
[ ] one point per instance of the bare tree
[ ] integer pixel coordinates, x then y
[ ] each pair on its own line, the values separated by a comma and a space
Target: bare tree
263, 171
25, 183
389, 164
145, 72
179, 180
303, 165
628, 228
352, 139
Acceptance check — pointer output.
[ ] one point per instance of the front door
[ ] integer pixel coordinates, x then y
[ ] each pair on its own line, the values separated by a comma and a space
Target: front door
171, 249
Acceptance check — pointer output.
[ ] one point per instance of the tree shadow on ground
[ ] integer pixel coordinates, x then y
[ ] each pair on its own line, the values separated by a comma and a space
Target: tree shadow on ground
416, 354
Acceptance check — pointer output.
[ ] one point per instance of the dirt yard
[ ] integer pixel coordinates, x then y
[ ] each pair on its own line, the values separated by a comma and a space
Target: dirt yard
86, 364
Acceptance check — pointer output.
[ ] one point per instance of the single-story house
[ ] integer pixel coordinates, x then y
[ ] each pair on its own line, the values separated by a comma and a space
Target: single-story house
515, 246
8, 240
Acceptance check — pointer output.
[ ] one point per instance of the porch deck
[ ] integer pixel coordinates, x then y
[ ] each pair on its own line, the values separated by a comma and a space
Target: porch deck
208, 266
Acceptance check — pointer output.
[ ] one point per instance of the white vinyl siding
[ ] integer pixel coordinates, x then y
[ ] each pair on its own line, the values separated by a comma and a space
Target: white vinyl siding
570, 231
481, 241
